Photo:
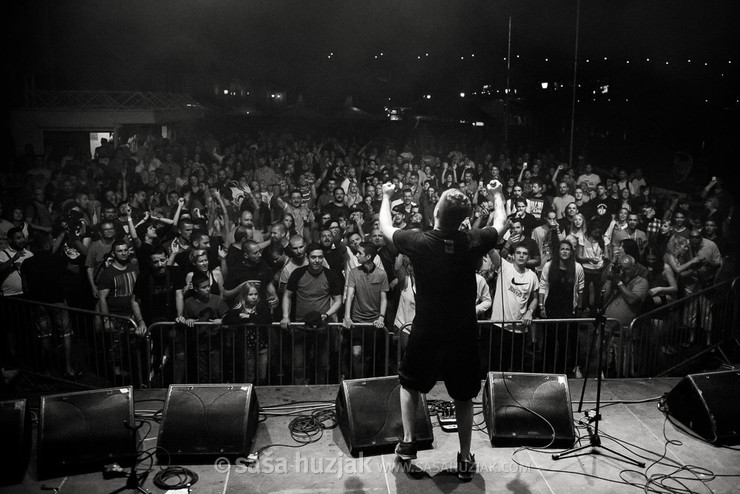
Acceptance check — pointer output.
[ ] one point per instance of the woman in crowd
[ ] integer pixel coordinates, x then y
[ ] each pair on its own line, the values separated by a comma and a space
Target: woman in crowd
289, 223
199, 260
561, 292
593, 257
678, 257
576, 231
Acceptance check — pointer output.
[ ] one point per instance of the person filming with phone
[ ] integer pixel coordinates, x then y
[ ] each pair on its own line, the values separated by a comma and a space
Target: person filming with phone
624, 293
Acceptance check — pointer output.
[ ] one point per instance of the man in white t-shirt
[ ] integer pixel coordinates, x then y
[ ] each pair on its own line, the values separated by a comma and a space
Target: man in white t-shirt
589, 177
515, 299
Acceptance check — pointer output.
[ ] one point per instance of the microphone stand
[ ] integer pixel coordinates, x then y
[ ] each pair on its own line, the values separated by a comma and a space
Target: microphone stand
593, 433
133, 479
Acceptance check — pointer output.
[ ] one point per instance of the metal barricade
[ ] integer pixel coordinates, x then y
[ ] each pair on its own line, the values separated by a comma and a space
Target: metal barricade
211, 352
559, 346
667, 338
46, 339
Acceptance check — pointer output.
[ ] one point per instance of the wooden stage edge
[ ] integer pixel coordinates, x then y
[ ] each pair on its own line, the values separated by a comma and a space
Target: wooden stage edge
631, 425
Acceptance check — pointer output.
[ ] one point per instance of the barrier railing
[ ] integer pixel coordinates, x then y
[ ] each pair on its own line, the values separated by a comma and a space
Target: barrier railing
47, 339
558, 346
51, 339
665, 339
268, 354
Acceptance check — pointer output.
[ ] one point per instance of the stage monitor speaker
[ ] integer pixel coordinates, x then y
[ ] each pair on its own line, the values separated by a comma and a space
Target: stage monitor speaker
527, 409
84, 431
369, 416
203, 422
708, 404
15, 429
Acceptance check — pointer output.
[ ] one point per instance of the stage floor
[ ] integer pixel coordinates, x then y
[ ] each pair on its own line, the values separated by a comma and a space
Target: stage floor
629, 416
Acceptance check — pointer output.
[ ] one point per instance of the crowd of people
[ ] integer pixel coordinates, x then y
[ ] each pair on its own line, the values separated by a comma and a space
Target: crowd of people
280, 229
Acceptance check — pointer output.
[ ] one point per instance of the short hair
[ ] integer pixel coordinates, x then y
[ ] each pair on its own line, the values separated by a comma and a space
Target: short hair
198, 234
184, 221
158, 251
452, 208
248, 243
314, 246
113, 246
199, 277
196, 253
520, 245
240, 234
13, 231
280, 226
370, 249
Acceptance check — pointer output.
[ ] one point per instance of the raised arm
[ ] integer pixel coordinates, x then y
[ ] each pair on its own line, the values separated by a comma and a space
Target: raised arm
497, 219
385, 220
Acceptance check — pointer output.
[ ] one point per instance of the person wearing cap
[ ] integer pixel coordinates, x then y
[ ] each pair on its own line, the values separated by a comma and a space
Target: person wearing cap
443, 342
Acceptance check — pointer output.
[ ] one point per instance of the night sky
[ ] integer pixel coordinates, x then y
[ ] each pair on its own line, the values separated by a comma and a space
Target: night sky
326, 50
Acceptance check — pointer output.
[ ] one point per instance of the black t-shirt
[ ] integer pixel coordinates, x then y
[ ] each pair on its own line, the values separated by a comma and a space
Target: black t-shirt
156, 294
444, 267
44, 273
559, 303
260, 273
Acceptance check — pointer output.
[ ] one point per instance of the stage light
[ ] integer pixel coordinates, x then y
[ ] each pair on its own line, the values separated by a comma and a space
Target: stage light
544, 85
462, 95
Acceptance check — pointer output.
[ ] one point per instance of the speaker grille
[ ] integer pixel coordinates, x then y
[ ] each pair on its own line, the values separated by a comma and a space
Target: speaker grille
707, 404
83, 431
523, 409
369, 414
203, 422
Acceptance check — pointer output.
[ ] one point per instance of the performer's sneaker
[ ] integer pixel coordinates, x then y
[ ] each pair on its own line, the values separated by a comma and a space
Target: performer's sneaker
406, 450
466, 468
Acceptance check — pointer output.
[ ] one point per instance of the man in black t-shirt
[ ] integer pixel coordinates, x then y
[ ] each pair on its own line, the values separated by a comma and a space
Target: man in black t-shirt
156, 294
251, 268
443, 341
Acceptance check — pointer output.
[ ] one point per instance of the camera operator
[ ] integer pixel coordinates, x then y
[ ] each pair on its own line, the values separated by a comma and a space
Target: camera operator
624, 292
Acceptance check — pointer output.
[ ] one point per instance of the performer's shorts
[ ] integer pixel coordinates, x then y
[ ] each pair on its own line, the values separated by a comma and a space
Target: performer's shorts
429, 359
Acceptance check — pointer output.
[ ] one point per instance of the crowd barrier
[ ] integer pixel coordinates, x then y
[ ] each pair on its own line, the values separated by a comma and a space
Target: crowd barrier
38, 338
663, 340
107, 351
267, 354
